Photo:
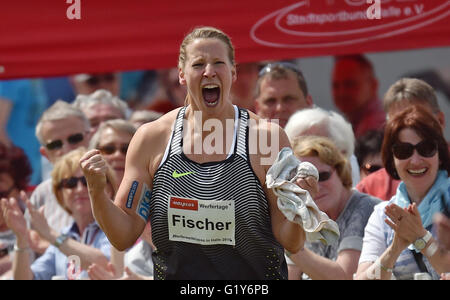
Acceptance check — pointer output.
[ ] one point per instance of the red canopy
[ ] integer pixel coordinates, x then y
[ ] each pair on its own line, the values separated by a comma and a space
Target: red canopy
39, 38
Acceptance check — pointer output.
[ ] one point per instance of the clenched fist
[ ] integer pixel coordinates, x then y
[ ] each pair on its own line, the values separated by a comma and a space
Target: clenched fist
95, 169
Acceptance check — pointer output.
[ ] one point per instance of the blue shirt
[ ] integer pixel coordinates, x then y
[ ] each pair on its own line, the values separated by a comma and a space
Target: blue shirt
54, 263
28, 101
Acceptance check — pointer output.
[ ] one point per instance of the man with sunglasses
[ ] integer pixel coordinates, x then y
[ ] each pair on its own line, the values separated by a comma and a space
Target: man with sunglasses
280, 91
61, 128
402, 93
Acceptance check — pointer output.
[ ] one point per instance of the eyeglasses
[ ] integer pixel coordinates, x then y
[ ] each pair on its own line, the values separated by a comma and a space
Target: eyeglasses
368, 168
110, 149
324, 176
405, 150
72, 182
72, 139
96, 79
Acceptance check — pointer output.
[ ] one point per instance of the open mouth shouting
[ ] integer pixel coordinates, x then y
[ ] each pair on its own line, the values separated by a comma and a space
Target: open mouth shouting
211, 94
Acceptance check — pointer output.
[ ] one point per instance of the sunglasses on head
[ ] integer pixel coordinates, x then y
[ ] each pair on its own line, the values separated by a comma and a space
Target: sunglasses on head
324, 176
72, 139
96, 79
72, 182
371, 168
110, 149
405, 150
284, 65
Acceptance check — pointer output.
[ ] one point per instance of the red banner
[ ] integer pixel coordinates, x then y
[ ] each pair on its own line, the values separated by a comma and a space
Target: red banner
60, 37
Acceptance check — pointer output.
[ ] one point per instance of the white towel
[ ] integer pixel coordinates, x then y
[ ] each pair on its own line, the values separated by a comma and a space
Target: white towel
296, 203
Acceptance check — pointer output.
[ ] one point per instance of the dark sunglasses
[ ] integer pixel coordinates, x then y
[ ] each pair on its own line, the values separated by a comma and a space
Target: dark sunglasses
96, 79
324, 176
371, 168
405, 150
72, 182
110, 149
73, 140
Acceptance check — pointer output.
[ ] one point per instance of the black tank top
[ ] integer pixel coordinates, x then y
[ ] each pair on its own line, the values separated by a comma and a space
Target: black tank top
181, 186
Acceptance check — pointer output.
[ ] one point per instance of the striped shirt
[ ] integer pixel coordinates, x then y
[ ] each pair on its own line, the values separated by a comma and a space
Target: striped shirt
254, 252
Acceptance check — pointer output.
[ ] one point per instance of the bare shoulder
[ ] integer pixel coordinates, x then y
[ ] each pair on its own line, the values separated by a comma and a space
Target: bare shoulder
159, 126
276, 136
150, 140
266, 139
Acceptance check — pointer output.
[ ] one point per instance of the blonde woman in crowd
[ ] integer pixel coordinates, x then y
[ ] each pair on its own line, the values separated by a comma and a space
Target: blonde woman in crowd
83, 238
348, 207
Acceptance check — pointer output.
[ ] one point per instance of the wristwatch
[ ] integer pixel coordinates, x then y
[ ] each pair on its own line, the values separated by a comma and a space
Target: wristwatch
60, 240
420, 243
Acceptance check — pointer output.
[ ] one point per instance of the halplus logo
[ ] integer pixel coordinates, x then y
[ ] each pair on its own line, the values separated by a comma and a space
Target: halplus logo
329, 23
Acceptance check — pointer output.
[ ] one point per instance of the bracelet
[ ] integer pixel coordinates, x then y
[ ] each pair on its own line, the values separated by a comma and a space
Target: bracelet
431, 250
17, 249
378, 263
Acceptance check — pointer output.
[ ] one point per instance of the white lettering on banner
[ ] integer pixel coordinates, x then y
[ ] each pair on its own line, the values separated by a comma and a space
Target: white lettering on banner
205, 222
296, 24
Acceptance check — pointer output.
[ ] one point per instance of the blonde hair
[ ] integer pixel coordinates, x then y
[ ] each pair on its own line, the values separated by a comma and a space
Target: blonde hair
328, 153
204, 33
68, 165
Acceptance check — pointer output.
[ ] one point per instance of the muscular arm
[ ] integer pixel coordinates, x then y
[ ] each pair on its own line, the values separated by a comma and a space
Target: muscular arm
121, 224
290, 235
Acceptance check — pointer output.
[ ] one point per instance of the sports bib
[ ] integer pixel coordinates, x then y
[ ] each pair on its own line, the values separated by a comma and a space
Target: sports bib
205, 222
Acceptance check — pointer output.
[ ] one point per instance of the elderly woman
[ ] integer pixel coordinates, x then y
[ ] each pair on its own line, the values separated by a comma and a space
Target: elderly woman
83, 239
348, 207
327, 123
399, 239
112, 139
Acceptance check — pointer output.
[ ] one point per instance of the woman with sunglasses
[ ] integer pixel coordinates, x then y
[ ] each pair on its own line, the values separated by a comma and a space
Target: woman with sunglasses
83, 239
112, 139
348, 207
400, 238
